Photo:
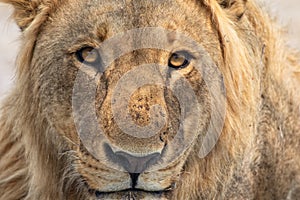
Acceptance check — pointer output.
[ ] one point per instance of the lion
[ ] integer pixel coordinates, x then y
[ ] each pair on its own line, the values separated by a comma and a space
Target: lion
50, 151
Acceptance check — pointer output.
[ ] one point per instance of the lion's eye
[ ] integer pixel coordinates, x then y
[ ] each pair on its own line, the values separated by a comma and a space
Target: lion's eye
88, 55
179, 60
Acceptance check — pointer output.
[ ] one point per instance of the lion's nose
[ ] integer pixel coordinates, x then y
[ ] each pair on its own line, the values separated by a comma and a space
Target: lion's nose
134, 164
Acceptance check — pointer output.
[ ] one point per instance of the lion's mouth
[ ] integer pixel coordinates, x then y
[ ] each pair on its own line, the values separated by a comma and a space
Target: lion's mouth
126, 184
133, 192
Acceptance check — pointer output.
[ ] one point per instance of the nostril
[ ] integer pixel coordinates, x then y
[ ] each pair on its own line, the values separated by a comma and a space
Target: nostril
134, 179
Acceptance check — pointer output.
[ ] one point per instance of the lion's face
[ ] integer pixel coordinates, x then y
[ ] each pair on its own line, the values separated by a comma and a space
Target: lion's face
121, 118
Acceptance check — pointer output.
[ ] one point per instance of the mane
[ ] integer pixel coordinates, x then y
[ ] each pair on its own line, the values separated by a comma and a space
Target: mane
19, 133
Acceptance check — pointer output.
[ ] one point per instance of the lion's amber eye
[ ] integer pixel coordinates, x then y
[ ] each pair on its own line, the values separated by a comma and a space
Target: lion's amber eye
88, 55
179, 60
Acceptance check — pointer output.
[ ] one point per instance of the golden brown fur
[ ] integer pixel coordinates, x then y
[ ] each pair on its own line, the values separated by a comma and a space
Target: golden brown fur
256, 157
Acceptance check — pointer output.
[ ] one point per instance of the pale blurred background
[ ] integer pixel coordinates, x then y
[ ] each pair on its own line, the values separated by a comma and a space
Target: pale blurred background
288, 12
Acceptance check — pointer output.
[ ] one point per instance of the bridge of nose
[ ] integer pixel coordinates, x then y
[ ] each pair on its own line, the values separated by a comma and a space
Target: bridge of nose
141, 102
139, 116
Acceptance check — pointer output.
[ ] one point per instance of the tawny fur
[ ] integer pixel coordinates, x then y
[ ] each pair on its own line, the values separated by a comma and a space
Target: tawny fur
257, 156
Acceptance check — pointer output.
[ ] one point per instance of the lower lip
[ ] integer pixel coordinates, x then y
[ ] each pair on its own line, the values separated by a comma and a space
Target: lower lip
100, 194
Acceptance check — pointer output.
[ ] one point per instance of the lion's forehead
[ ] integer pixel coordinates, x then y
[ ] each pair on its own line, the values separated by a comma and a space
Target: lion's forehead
120, 16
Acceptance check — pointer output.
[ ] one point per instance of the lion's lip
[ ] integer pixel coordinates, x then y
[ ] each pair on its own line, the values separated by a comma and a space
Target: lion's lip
99, 194
136, 190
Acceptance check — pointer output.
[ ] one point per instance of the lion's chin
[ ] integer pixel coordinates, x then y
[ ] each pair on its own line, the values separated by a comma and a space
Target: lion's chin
134, 194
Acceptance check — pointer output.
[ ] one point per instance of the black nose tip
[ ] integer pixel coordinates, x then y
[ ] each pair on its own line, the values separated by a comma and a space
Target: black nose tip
135, 165
132, 164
